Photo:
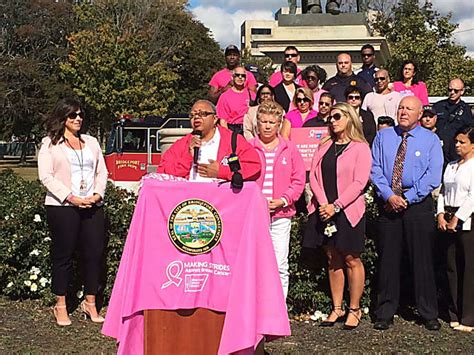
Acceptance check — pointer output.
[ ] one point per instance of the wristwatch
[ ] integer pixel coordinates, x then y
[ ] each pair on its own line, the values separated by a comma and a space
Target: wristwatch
337, 209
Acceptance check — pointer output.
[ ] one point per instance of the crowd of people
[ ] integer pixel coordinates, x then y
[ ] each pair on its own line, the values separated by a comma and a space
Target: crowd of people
378, 131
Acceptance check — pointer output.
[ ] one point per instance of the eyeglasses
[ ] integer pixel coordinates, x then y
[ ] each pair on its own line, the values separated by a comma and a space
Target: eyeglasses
353, 97
367, 55
336, 116
73, 115
200, 114
302, 100
240, 75
291, 55
453, 89
312, 78
322, 103
380, 78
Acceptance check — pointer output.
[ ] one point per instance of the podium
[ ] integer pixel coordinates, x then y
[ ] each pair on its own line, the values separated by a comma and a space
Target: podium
198, 271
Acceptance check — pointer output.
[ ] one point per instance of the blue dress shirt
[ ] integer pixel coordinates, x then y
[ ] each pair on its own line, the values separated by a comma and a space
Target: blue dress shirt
423, 162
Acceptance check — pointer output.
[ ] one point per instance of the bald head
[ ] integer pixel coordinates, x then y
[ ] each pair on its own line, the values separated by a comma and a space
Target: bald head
455, 90
409, 112
344, 64
382, 79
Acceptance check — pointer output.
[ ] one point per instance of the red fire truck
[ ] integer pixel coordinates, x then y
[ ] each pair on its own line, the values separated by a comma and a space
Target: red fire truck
135, 146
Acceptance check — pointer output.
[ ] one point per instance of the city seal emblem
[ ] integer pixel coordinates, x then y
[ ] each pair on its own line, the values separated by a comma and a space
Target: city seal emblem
195, 227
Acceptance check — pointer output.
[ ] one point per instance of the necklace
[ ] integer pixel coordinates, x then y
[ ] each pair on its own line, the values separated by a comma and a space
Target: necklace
82, 184
339, 151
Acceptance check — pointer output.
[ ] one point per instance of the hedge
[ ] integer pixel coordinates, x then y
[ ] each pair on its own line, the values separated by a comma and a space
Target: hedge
25, 242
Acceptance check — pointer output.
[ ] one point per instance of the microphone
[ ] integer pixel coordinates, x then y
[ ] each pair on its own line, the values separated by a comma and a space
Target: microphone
196, 149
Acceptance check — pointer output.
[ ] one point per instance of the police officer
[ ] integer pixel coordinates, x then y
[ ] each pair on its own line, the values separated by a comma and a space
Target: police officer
452, 113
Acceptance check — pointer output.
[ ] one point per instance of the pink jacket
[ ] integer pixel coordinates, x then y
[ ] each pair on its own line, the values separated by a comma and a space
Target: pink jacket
294, 116
288, 174
353, 169
54, 170
178, 160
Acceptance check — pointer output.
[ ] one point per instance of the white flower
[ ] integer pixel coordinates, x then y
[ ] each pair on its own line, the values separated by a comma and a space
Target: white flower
33, 287
37, 218
7, 218
27, 283
10, 284
35, 270
43, 281
35, 252
34, 277
366, 310
79, 294
318, 315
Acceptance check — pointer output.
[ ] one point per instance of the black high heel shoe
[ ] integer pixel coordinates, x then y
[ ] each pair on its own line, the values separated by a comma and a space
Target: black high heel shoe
327, 323
354, 312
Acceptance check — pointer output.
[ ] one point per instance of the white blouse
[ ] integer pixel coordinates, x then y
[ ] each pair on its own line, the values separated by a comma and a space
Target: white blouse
82, 168
458, 190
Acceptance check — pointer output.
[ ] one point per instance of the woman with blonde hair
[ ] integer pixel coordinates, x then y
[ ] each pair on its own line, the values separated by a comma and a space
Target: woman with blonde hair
303, 101
339, 173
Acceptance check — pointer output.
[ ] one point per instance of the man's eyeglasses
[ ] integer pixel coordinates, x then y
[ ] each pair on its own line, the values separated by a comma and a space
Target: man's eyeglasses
322, 103
74, 115
200, 114
367, 55
240, 75
302, 100
336, 117
291, 55
380, 78
312, 78
455, 90
353, 97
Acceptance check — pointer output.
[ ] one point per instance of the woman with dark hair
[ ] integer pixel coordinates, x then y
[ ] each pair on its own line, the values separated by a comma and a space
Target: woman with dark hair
72, 168
285, 91
303, 100
354, 98
339, 173
409, 84
265, 93
455, 218
315, 77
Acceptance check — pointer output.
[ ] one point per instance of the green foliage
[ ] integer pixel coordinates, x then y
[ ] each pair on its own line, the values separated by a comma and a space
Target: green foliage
418, 32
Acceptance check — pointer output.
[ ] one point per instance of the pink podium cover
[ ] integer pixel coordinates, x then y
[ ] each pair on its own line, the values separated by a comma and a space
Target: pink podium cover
306, 140
239, 276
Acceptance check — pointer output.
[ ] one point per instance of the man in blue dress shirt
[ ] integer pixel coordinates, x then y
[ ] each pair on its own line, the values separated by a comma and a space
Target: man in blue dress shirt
407, 166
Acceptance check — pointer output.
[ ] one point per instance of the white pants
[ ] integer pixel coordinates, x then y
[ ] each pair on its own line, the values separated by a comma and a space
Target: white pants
280, 231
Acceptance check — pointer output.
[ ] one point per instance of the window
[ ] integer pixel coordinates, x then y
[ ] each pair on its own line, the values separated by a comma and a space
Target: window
261, 31
134, 140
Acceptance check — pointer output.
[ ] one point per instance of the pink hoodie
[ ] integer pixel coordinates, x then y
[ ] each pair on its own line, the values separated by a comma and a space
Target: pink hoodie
353, 170
288, 174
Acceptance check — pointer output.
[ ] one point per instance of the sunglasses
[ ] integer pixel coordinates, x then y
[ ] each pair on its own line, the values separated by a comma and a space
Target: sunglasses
353, 97
367, 55
453, 89
240, 75
73, 115
312, 78
322, 103
336, 117
291, 55
302, 100
200, 114
380, 78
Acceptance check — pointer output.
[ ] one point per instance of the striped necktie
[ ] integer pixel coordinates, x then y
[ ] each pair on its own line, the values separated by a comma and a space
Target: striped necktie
398, 166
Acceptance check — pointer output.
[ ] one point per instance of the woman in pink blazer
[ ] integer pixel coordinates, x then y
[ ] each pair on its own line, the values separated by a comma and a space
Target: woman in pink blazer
72, 168
339, 173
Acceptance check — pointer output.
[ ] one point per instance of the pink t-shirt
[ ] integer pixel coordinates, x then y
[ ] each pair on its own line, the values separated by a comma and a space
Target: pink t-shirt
222, 78
419, 90
277, 78
232, 106
296, 120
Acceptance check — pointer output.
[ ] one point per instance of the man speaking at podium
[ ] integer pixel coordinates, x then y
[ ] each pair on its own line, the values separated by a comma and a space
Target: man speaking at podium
203, 155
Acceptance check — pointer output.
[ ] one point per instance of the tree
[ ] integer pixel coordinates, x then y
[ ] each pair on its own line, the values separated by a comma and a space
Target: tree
32, 42
418, 32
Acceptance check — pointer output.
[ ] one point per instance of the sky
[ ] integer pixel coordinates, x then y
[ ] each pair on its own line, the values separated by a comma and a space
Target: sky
224, 17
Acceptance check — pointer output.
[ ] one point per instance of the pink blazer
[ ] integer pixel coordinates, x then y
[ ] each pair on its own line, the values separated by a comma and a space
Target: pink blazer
353, 170
54, 170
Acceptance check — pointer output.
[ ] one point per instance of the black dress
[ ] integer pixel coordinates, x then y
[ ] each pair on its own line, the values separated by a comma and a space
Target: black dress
347, 238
